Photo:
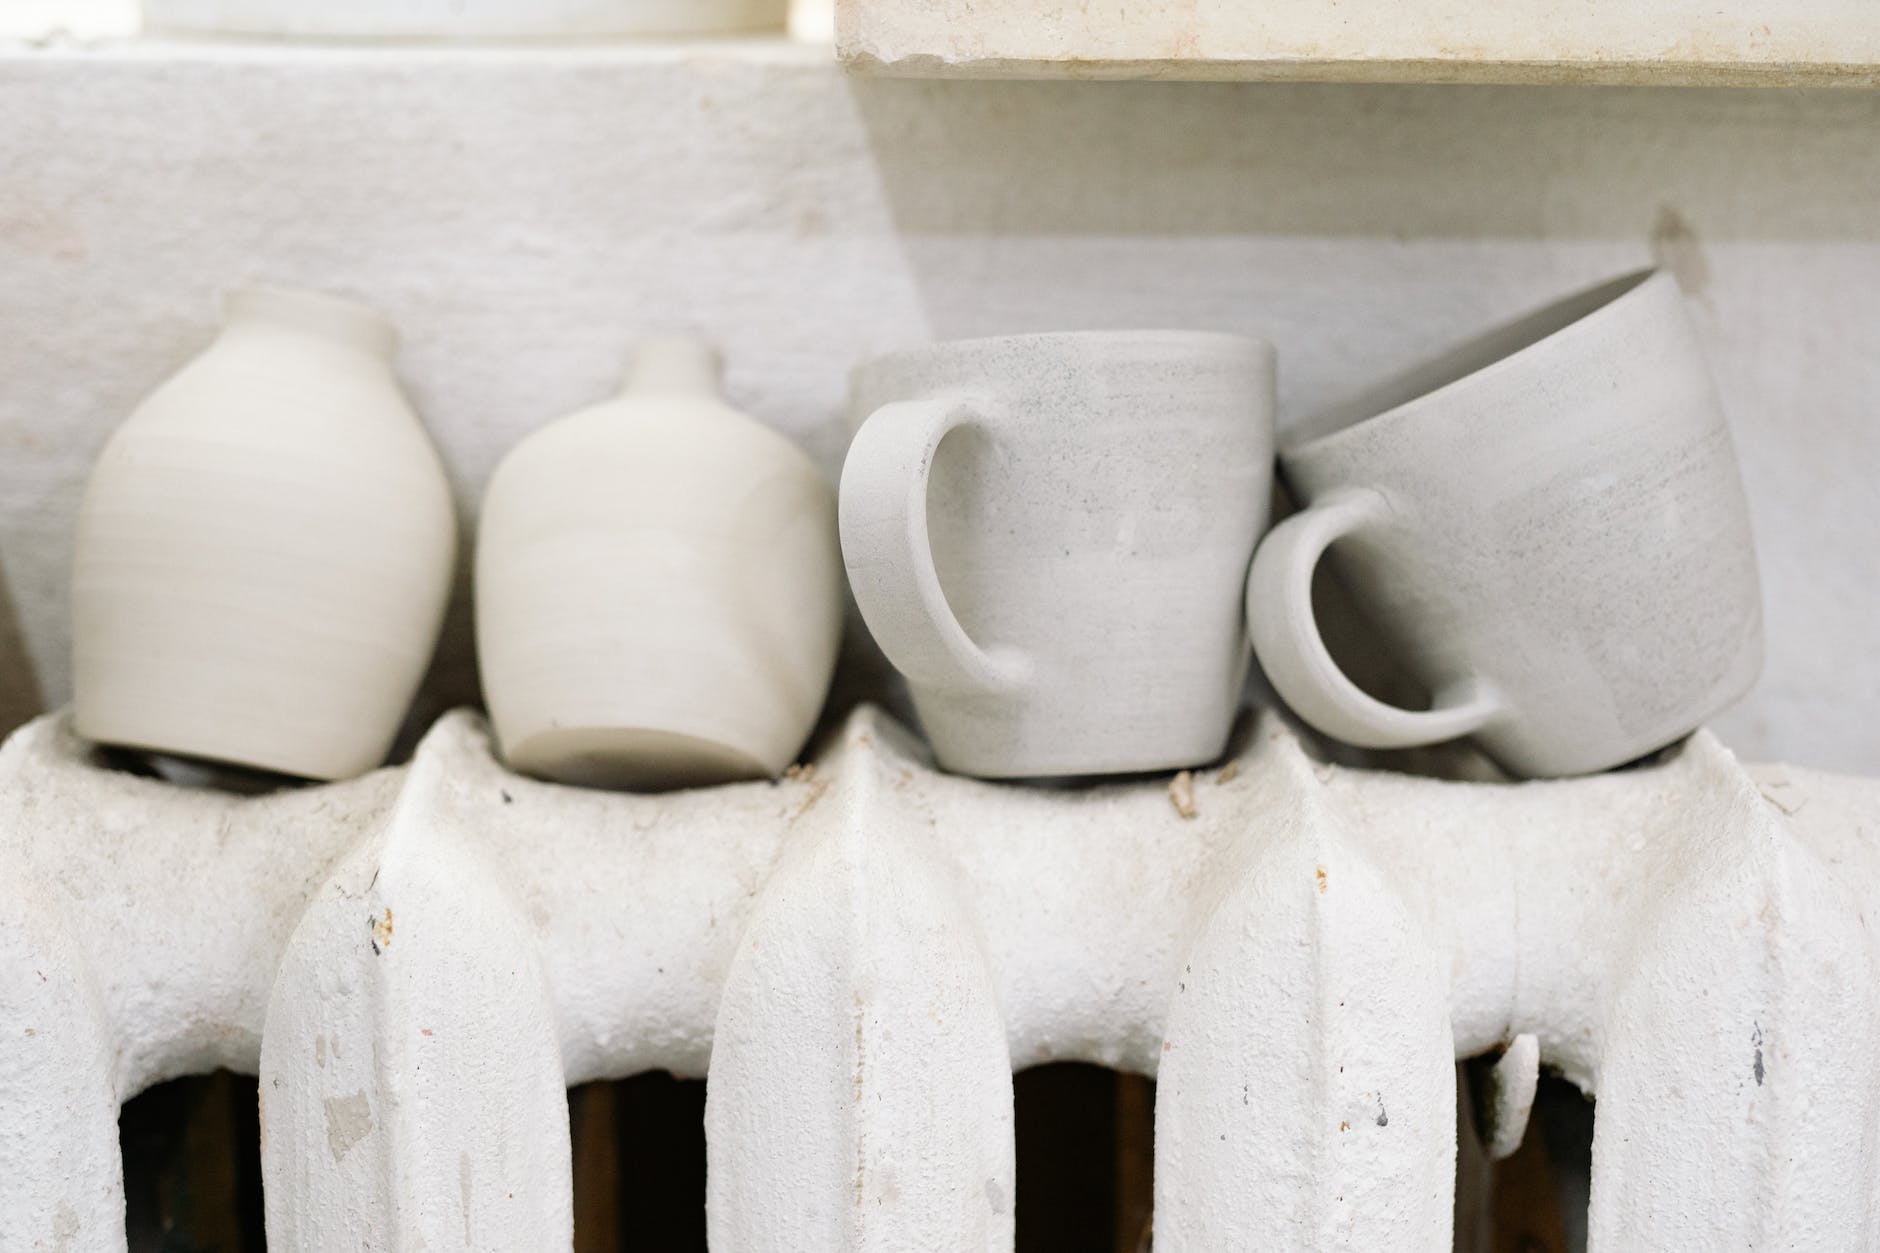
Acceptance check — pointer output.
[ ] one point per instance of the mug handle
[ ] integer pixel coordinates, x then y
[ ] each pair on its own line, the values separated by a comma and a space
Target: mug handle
1292, 652
889, 555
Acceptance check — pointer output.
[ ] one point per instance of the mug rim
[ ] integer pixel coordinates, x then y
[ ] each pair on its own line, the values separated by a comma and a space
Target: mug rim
1578, 308
1259, 348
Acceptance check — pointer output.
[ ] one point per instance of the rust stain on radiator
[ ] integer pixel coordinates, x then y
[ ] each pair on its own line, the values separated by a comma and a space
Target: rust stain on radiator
1181, 794
381, 931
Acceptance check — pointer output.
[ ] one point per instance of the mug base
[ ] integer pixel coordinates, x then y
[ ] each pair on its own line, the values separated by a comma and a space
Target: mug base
1551, 756
1543, 764
1064, 765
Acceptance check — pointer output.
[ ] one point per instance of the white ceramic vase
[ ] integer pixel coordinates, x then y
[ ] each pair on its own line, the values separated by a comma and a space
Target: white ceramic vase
462, 19
658, 588
264, 549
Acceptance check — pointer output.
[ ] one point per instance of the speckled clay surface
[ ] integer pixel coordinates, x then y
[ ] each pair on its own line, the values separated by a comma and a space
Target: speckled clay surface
1546, 527
264, 549
1047, 534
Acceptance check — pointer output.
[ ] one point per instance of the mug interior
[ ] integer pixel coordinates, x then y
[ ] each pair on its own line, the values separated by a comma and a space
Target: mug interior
1452, 367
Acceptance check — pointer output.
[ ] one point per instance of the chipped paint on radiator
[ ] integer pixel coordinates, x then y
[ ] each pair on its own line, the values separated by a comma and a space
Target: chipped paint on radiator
419, 961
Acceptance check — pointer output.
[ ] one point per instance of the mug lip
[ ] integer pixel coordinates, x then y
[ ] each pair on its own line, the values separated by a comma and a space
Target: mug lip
1259, 348
1589, 301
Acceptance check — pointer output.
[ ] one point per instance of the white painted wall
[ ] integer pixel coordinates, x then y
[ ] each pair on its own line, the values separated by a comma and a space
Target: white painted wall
46, 19
525, 214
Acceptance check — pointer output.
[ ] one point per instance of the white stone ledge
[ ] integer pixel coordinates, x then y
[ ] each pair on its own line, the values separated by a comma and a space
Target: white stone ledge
420, 56
1671, 42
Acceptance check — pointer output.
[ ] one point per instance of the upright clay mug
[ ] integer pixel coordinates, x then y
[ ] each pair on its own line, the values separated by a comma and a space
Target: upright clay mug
1049, 536
1546, 527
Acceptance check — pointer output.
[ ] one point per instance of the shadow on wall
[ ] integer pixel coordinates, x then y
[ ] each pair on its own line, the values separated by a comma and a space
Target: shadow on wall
1391, 161
1326, 217
19, 687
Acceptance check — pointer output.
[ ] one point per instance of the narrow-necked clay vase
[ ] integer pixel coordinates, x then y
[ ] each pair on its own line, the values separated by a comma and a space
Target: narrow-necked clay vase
264, 549
658, 588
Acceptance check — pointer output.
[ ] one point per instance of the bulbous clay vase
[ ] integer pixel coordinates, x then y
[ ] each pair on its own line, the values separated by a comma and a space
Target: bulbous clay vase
264, 549
658, 588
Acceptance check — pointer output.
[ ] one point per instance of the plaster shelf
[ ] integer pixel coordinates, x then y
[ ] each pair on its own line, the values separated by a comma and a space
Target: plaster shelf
1678, 42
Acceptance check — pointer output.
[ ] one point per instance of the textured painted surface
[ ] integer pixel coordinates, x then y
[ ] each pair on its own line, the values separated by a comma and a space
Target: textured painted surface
1514, 41
525, 215
856, 957
413, 979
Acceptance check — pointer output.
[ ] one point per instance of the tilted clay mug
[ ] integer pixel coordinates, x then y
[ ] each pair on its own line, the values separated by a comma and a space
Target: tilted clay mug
658, 587
1545, 527
264, 549
1048, 535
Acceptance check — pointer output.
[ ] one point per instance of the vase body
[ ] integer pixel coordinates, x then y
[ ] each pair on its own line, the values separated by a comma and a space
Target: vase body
658, 588
264, 550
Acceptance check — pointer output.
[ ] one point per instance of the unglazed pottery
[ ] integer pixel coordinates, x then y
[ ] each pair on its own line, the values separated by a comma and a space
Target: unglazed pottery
658, 588
1049, 536
462, 19
1545, 527
264, 549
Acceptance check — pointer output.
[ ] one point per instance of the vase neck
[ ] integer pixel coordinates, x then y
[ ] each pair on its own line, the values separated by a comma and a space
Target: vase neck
674, 365
327, 318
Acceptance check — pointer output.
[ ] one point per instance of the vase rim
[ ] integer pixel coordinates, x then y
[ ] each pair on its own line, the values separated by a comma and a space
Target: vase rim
317, 313
675, 363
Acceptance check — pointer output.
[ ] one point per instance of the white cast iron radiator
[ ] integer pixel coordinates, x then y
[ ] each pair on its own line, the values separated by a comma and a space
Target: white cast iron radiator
419, 962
